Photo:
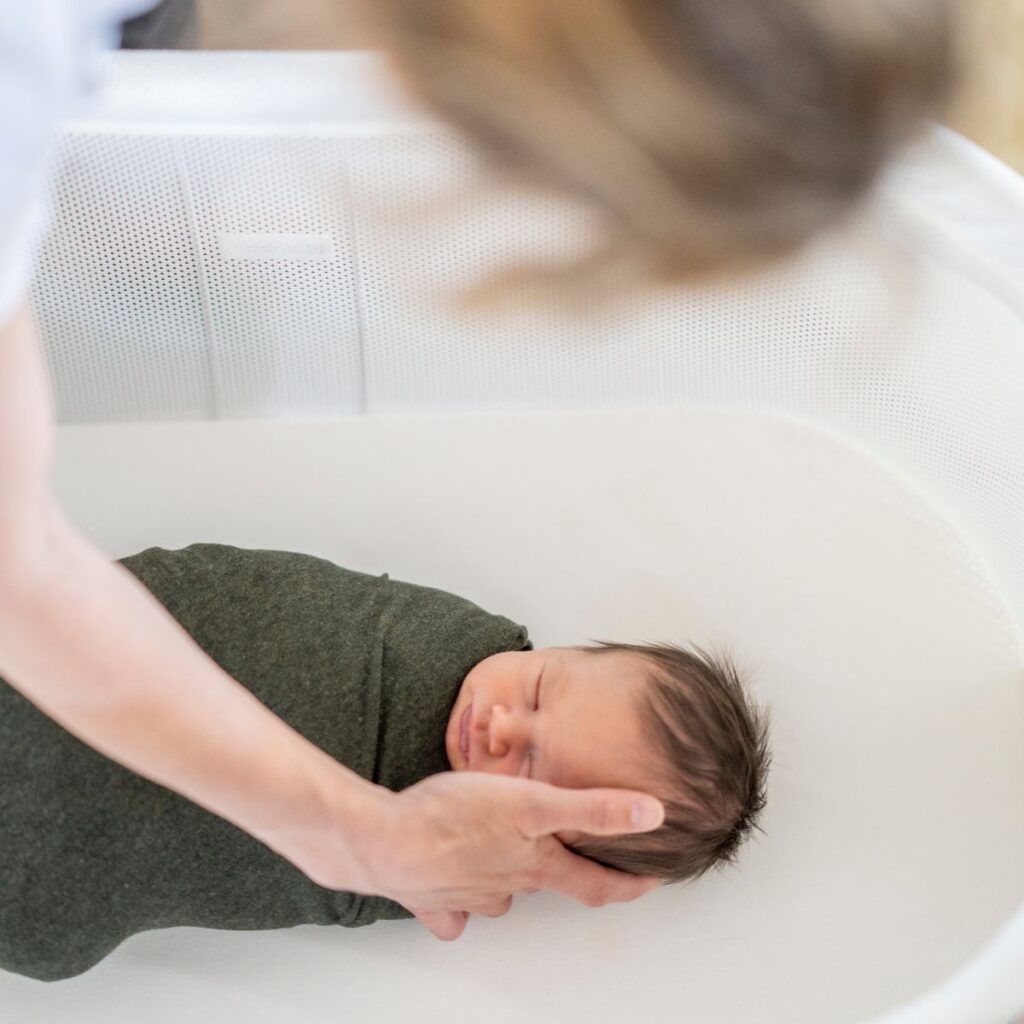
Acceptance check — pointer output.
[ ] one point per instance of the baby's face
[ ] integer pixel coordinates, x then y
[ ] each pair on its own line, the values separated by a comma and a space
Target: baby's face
558, 715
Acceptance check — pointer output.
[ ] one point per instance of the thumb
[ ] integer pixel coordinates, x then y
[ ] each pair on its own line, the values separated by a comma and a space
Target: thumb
597, 812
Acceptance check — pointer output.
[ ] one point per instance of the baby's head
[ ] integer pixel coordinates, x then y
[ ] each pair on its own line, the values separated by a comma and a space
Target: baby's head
656, 718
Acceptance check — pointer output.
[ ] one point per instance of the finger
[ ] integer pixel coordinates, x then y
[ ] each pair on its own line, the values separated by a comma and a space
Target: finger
493, 908
446, 925
597, 812
592, 884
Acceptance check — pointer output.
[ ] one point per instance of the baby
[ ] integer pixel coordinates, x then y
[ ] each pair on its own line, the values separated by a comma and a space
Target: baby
655, 718
396, 681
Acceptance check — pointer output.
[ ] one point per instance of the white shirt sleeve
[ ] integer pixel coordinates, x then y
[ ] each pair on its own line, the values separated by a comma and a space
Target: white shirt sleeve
46, 50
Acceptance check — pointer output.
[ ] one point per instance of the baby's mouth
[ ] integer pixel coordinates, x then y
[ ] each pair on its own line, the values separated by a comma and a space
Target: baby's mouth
464, 722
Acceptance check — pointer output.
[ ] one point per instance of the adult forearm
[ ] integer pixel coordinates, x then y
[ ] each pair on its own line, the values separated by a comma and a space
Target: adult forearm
84, 641
92, 648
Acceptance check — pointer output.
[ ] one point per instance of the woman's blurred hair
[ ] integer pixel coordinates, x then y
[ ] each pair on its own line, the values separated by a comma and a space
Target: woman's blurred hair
703, 134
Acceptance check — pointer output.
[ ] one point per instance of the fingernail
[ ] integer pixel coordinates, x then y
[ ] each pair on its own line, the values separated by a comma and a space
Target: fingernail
646, 814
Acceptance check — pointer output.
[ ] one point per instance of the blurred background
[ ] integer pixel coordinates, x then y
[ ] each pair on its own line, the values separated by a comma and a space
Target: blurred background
989, 107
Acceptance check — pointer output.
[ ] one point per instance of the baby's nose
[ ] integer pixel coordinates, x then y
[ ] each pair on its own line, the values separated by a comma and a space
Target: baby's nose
504, 731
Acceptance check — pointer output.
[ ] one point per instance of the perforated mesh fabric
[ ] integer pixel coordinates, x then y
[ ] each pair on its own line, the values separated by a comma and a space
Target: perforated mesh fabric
283, 331
233, 266
117, 293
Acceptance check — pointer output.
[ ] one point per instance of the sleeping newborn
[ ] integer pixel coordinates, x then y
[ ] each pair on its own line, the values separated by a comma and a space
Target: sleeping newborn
396, 681
653, 717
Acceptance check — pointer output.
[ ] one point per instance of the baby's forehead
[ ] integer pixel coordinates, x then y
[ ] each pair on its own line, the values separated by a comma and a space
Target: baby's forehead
617, 680
627, 667
624, 683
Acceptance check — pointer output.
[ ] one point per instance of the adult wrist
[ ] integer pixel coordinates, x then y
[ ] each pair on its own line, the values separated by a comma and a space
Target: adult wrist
327, 829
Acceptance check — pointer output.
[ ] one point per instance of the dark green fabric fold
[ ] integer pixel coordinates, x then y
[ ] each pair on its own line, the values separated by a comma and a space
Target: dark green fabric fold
365, 667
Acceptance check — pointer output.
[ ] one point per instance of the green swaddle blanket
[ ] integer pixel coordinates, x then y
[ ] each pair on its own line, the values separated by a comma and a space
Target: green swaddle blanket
365, 667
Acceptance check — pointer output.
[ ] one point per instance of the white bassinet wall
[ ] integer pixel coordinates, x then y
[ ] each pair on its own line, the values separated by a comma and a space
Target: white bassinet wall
838, 494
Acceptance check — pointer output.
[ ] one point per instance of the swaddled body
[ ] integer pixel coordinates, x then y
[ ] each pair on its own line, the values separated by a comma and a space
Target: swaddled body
366, 668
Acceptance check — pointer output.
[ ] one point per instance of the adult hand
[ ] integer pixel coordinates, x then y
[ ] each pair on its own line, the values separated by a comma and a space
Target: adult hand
466, 842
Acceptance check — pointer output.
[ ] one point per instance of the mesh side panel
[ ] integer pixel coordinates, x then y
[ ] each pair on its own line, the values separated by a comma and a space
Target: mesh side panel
116, 291
164, 291
277, 270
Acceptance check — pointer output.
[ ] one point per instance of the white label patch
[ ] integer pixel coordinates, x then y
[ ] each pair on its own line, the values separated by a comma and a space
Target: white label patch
235, 246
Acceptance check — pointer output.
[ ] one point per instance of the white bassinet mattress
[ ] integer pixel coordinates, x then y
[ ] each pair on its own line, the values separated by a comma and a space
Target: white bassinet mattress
894, 843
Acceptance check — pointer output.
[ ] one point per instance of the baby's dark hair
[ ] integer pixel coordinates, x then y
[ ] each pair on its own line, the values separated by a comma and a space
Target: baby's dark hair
711, 750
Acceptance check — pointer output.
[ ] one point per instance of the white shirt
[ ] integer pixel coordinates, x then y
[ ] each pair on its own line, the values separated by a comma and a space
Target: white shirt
46, 50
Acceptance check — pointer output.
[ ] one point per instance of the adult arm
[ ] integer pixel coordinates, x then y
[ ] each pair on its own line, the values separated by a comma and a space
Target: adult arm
88, 644
85, 642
